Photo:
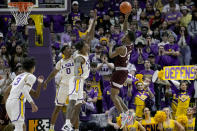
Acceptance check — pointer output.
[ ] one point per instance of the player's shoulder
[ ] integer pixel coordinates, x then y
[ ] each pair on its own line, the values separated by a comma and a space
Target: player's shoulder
31, 77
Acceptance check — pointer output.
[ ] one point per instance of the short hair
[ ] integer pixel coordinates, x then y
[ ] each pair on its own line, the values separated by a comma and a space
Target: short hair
144, 27
79, 45
28, 63
63, 48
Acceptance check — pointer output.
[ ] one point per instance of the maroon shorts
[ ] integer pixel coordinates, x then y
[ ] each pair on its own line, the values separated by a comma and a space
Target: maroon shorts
118, 78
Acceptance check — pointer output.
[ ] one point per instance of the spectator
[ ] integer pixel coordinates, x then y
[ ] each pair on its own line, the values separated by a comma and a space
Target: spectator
95, 57
75, 14
105, 69
65, 37
2, 66
153, 66
192, 30
138, 57
172, 16
148, 122
143, 20
184, 42
5, 55
172, 49
149, 11
186, 18
111, 120
57, 24
150, 47
18, 56
1, 39
142, 38
14, 33
96, 83
87, 108
166, 8
107, 102
163, 59
156, 21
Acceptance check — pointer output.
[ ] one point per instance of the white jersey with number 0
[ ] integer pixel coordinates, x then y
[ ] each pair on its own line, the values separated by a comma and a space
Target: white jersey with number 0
66, 68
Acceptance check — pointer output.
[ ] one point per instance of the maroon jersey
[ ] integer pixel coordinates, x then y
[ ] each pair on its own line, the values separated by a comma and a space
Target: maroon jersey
122, 61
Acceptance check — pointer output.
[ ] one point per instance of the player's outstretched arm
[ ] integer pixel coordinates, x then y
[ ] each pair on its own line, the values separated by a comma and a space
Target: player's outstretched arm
91, 28
125, 24
50, 77
36, 93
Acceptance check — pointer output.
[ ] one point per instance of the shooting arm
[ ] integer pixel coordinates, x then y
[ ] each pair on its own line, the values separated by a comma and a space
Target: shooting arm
125, 24
115, 53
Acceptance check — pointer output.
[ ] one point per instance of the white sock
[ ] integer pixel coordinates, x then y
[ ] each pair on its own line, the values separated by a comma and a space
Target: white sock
68, 122
76, 129
52, 126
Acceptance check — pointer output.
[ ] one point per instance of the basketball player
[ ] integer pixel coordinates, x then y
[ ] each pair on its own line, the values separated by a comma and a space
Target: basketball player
20, 91
121, 56
66, 68
81, 72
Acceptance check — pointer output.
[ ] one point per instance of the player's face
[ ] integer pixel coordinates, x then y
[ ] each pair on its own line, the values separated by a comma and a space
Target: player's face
67, 51
86, 47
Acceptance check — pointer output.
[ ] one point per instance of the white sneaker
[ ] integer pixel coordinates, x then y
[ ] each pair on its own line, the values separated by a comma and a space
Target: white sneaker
67, 128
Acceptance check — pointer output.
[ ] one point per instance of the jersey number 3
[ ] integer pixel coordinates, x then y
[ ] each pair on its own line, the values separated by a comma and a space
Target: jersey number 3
17, 81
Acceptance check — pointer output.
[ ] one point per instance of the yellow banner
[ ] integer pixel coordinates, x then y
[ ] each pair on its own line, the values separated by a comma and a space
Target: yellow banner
179, 72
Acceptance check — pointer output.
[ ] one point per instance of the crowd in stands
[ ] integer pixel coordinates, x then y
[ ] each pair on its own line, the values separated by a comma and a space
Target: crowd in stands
166, 35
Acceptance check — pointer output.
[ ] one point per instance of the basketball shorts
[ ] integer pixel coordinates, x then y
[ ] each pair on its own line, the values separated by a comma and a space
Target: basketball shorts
15, 110
118, 78
76, 89
62, 94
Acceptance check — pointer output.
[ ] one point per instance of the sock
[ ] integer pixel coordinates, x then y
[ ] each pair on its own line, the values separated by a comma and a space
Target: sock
68, 122
52, 126
76, 129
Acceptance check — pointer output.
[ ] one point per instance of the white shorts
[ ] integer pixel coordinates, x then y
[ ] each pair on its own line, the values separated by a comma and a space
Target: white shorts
62, 94
16, 110
76, 90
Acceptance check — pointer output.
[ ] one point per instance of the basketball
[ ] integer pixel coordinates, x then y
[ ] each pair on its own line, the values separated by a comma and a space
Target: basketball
125, 7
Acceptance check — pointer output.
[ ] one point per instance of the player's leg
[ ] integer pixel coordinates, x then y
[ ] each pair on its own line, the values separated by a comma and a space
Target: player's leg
114, 97
24, 127
60, 101
125, 108
54, 117
75, 115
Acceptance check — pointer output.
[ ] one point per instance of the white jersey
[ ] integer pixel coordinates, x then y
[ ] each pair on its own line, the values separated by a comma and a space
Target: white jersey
18, 84
66, 68
85, 68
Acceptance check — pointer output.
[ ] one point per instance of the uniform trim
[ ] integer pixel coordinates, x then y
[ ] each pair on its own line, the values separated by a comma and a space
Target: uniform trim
73, 89
117, 85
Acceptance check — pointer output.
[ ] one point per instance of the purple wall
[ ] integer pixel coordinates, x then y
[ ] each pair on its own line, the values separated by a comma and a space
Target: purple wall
44, 66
